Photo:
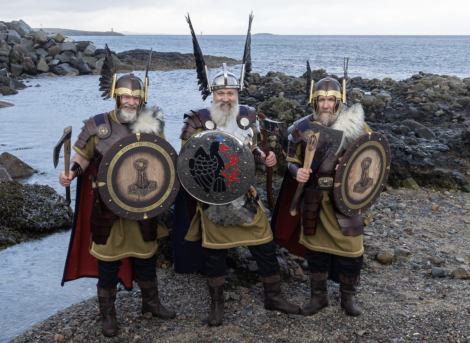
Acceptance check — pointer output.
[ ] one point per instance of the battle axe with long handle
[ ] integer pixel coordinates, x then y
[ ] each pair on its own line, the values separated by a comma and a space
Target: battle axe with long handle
279, 129
309, 154
65, 140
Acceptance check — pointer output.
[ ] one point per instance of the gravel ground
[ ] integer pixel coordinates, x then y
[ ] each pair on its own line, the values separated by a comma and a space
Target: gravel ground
414, 288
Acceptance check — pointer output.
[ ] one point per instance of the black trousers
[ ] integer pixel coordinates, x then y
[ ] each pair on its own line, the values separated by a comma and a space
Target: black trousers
320, 262
146, 270
264, 254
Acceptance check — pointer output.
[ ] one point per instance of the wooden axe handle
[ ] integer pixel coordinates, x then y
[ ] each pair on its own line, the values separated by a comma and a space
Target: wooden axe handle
67, 151
309, 154
269, 176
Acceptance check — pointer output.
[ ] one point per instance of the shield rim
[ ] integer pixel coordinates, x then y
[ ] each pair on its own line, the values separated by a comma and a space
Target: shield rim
182, 167
355, 148
128, 212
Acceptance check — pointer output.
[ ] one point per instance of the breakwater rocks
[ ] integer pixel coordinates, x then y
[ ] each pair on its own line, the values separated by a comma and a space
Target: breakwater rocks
25, 52
426, 119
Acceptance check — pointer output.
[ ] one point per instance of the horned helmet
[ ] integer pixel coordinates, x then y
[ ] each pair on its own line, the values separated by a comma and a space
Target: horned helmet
223, 79
129, 84
326, 87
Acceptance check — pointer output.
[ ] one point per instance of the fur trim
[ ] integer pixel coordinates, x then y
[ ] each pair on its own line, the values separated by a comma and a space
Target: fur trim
351, 121
149, 120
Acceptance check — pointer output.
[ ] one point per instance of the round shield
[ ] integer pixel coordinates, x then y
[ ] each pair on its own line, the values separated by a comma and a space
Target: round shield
216, 167
362, 174
137, 176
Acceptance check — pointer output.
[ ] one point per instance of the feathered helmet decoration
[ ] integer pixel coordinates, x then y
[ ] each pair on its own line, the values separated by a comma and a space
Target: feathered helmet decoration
128, 84
326, 87
223, 79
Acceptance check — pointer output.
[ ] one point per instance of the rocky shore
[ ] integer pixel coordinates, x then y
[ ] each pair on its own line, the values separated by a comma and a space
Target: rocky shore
414, 288
27, 211
425, 118
26, 53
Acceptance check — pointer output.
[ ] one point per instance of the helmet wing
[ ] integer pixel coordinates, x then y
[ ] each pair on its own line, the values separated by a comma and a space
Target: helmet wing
246, 68
201, 68
308, 86
108, 75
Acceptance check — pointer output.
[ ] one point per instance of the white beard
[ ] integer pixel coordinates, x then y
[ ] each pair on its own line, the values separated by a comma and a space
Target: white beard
222, 117
327, 119
351, 121
127, 115
149, 120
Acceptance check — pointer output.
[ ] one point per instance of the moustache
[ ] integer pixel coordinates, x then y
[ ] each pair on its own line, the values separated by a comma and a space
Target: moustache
130, 106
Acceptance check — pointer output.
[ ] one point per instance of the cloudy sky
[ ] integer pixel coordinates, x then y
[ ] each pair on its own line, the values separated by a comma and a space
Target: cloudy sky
295, 17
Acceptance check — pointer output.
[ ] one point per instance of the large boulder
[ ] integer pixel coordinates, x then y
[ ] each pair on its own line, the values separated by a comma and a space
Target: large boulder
4, 48
82, 45
64, 69
13, 37
15, 167
42, 65
40, 37
90, 50
419, 129
82, 66
29, 66
33, 208
90, 60
22, 52
27, 44
42, 52
3, 27
59, 38
16, 69
54, 50
68, 46
21, 27
4, 176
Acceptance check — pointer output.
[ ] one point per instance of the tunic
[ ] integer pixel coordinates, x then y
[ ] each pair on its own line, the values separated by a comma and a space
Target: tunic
328, 237
125, 239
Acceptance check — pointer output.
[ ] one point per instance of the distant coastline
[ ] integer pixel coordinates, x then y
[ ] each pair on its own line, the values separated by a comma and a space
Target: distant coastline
68, 32
263, 34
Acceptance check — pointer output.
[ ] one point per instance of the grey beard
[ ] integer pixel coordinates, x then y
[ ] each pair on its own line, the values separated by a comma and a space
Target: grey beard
127, 116
222, 117
327, 119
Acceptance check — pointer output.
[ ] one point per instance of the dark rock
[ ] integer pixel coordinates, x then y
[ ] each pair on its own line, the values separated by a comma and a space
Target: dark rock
29, 67
64, 69
15, 167
82, 45
90, 50
82, 66
22, 52
16, 69
33, 208
13, 37
68, 46
439, 272
420, 130
4, 48
53, 63
91, 61
27, 44
40, 37
42, 52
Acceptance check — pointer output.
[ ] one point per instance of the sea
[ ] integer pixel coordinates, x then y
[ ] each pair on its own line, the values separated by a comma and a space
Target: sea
31, 272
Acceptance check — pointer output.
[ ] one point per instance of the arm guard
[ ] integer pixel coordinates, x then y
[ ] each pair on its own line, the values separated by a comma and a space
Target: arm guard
77, 170
257, 155
293, 169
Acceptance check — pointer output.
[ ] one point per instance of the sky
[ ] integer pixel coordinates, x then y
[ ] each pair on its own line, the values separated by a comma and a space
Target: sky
286, 17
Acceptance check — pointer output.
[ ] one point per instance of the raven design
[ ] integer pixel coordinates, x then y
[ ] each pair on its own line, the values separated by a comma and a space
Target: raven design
207, 169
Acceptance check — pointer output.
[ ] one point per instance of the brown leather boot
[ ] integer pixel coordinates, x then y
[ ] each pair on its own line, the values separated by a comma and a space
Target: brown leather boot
348, 288
216, 290
319, 294
273, 299
106, 298
151, 302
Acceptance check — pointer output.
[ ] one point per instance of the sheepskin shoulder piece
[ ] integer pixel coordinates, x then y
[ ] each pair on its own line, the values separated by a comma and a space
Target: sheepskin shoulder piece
149, 120
351, 121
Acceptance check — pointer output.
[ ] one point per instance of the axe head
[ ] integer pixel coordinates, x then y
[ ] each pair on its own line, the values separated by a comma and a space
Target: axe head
66, 136
336, 136
277, 128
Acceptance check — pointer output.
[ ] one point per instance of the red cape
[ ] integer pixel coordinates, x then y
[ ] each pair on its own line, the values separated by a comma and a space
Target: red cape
286, 228
80, 263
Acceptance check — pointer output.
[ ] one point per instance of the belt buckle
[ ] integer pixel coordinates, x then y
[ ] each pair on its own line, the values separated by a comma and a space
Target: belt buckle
325, 182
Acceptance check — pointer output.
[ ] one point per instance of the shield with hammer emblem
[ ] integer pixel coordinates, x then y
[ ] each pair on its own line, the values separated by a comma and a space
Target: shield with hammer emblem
362, 174
137, 176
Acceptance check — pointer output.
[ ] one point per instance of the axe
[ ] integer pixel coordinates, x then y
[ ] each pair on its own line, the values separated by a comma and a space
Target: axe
279, 129
65, 140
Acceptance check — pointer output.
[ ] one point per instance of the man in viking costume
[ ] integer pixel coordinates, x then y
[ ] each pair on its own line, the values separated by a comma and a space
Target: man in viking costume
249, 225
118, 247
321, 229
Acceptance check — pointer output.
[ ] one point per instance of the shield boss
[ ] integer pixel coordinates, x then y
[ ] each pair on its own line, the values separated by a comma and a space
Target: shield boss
362, 174
216, 167
137, 176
